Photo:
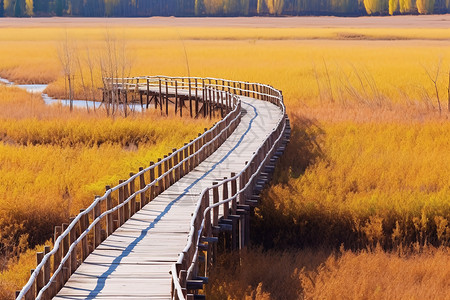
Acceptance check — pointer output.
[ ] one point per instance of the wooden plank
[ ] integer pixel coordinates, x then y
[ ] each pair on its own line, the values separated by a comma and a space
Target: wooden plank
134, 261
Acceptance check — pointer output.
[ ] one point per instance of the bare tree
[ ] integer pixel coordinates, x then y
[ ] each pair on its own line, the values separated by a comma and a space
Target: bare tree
66, 55
434, 78
115, 66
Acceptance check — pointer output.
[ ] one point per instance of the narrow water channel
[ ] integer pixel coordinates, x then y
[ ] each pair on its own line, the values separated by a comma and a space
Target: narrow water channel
40, 88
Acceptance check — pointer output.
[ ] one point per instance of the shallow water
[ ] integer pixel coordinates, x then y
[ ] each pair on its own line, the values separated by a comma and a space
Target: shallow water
40, 88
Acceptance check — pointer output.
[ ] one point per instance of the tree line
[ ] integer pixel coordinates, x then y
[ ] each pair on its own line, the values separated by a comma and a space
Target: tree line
187, 8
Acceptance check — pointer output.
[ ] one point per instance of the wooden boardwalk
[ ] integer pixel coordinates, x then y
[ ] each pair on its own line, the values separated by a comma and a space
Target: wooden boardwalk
135, 260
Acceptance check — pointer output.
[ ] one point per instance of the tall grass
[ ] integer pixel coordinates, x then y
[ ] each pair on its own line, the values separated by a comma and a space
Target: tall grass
367, 164
53, 162
317, 274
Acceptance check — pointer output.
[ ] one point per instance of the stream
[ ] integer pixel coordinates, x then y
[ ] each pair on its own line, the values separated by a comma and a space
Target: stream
39, 89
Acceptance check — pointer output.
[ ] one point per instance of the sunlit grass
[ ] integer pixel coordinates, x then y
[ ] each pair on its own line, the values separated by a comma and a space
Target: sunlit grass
53, 162
367, 162
315, 274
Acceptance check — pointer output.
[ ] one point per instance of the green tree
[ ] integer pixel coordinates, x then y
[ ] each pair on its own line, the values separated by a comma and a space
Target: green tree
275, 7
376, 6
393, 6
18, 8
59, 7
425, 6
29, 8
406, 6
199, 7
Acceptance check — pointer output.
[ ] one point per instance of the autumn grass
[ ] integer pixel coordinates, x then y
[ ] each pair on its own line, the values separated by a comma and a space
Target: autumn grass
367, 165
308, 274
53, 162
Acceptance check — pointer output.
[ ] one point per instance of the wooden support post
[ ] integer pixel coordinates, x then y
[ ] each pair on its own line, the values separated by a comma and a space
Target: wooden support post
40, 277
58, 254
171, 173
211, 103
186, 163
190, 97
121, 200
84, 220
233, 192
109, 217
180, 160
153, 187
142, 185
215, 200
176, 98
73, 256
196, 98
166, 177
167, 99
126, 195
160, 97
97, 227
160, 188
66, 245
31, 294
133, 200
46, 268
197, 149
191, 160
148, 92
175, 163
226, 207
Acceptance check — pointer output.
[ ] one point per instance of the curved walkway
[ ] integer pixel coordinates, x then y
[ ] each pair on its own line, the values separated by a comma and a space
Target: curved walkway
134, 262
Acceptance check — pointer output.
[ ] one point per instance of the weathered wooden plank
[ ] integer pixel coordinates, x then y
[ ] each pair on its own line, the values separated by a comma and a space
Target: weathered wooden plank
135, 260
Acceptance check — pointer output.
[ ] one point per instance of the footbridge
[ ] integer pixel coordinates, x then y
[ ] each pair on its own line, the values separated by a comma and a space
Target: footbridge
155, 234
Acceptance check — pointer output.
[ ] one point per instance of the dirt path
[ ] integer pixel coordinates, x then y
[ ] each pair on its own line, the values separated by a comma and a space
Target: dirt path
434, 21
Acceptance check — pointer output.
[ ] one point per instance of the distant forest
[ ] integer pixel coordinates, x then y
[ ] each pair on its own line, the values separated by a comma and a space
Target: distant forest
188, 8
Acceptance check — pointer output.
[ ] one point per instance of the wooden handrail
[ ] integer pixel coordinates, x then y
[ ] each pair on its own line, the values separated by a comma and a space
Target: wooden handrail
182, 160
206, 140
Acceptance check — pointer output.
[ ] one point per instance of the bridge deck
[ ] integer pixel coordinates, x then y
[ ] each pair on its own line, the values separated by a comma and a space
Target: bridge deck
134, 262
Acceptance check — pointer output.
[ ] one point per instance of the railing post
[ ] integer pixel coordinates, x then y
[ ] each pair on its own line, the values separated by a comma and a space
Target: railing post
66, 244
31, 294
97, 227
191, 160
215, 200
142, 185
121, 200
226, 208
175, 163
167, 98
233, 193
197, 149
40, 277
84, 222
152, 178
132, 200
109, 217
190, 97
186, 155
160, 188
73, 255
166, 177
171, 164
47, 270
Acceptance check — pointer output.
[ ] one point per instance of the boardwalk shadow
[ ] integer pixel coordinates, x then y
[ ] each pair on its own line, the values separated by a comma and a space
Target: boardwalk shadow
101, 282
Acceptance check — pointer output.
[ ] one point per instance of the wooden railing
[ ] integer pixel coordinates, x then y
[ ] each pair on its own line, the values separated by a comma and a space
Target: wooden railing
75, 241
234, 203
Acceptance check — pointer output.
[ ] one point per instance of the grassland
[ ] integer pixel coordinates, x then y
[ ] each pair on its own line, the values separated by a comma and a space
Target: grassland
53, 162
368, 160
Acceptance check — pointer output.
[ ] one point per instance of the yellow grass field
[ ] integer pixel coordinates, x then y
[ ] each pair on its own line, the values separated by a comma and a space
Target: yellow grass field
368, 162
53, 162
